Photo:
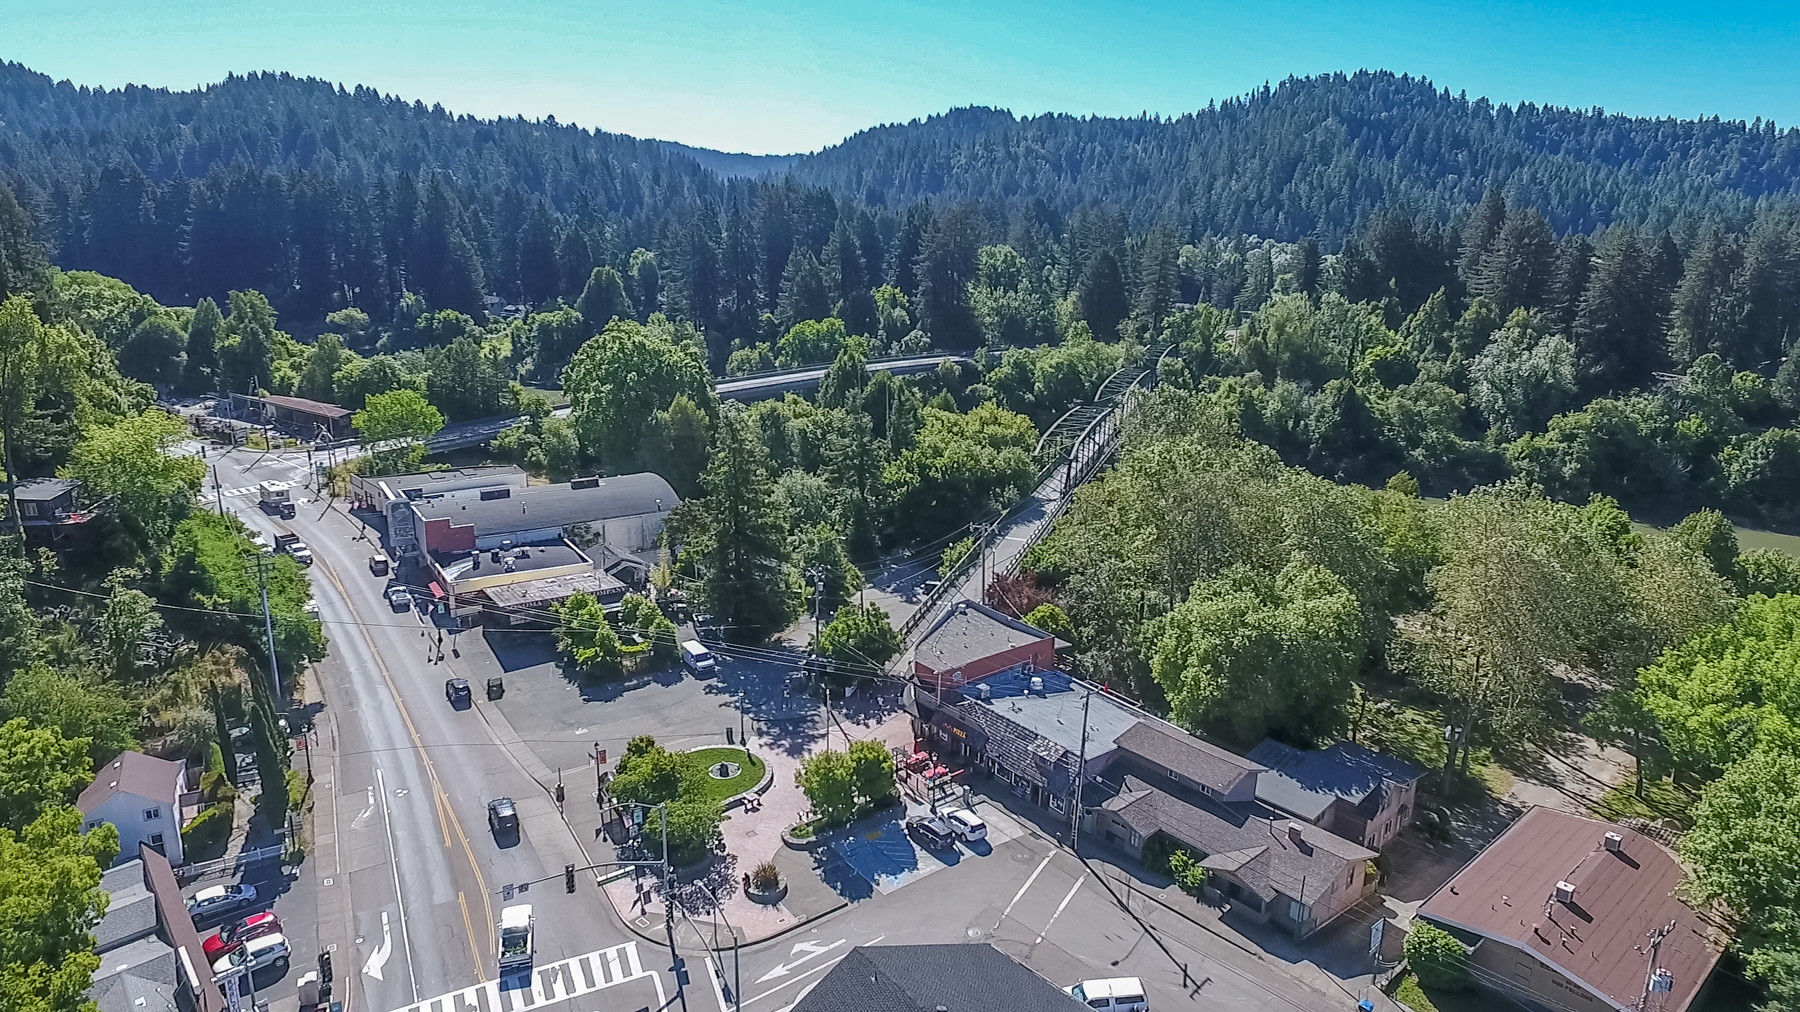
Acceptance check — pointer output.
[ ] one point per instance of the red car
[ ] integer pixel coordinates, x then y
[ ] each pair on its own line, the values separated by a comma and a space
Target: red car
232, 936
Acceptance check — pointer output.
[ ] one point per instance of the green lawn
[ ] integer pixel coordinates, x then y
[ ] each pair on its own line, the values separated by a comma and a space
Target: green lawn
1662, 800
1414, 997
749, 775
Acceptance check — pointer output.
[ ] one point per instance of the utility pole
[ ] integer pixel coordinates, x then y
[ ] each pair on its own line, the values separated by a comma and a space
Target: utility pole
262, 562
1080, 775
1656, 939
669, 905
218, 490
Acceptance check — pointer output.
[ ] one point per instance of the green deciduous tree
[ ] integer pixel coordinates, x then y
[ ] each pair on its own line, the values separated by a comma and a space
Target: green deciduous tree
872, 770
859, 640
619, 380
1732, 689
128, 462
50, 900
960, 466
585, 637
829, 780
393, 426
1440, 961
39, 769
1522, 379
1254, 654
1744, 852
79, 707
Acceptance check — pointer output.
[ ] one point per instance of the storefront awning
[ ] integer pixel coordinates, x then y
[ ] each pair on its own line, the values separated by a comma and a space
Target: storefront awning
436, 591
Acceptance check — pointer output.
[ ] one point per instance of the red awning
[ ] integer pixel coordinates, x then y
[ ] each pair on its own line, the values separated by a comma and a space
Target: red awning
436, 591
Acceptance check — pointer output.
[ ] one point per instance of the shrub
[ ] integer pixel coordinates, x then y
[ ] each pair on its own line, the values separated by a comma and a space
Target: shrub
1186, 872
1437, 957
207, 830
765, 875
296, 790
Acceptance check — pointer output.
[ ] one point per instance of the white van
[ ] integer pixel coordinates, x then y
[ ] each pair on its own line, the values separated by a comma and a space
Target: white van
697, 659
1114, 994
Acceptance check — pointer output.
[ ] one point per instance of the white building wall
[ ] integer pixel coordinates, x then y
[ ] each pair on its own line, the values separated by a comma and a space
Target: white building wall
127, 813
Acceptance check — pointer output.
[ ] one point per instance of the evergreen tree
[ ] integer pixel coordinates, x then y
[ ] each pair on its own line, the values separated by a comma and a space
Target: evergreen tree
1568, 281
843, 263
575, 262
441, 263
946, 266
1478, 233
204, 332
1307, 266
603, 300
738, 542
534, 270
1157, 279
805, 294
1770, 292
1704, 314
24, 270
1515, 270
909, 246
646, 284
1101, 296
249, 361
1618, 340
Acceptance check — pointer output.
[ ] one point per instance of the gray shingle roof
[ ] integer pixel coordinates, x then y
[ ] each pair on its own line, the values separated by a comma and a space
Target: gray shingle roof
970, 632
1185, 754
43, 489
133, 773
542, 506
1306, 782
923, 978
1251, 841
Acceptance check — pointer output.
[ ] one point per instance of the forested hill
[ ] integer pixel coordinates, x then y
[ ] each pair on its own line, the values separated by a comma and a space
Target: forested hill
1316, 155
325, 197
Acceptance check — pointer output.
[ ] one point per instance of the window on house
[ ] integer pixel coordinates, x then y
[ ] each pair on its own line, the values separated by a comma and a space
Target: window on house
1135, 838
1298, 912
1174, 775
29, 509
1056, 804
93, 824
152, 814
156, 842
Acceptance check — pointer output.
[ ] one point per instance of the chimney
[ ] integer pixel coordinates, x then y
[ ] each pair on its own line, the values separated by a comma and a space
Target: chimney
1294, 833
1565, 892
1615, 842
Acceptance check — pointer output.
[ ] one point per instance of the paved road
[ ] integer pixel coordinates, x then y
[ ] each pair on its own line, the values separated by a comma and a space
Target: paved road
409, 878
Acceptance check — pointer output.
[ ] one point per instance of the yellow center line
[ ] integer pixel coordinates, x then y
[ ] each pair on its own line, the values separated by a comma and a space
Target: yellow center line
446, 815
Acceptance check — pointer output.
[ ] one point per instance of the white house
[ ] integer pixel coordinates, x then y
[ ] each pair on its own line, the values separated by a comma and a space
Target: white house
141, 795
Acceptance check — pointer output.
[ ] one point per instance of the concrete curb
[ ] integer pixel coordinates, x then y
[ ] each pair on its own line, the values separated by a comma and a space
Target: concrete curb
1132, 890
662, 943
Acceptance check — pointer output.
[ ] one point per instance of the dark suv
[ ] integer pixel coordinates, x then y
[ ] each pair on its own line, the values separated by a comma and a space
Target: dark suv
456, 690
502, 816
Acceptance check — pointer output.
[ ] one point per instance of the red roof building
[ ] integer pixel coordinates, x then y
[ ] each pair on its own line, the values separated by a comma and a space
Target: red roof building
1574, 913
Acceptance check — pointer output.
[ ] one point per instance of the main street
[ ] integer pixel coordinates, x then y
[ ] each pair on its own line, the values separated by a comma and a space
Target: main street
410, 880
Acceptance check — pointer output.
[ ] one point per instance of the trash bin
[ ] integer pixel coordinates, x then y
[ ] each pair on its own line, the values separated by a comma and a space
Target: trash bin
496, 688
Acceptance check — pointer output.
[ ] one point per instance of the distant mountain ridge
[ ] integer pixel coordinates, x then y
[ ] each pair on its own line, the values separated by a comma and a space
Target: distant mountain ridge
321, 194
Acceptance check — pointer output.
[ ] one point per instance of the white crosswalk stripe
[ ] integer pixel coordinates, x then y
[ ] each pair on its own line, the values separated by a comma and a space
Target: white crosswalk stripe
550, 983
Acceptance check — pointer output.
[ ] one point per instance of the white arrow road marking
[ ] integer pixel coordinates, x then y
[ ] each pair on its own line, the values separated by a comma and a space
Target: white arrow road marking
379, 957
812, 950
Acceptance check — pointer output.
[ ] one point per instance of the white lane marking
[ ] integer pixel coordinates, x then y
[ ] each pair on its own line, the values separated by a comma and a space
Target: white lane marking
712, 974
812, 950
1039, 870
379, 957
821, 968
566, 982
1060, 906
387, 827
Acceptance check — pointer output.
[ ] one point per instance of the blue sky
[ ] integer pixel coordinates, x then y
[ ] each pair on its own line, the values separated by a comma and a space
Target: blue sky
795, 76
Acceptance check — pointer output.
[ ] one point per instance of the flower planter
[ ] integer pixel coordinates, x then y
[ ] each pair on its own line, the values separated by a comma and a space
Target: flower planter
768, 897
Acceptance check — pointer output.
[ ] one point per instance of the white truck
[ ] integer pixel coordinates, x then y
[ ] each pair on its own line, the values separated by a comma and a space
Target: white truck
276, 498
515, 940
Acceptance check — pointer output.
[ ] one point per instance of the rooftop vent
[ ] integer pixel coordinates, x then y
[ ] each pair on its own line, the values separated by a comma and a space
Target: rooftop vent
496, 493
1565, 892
593, 482
1615, 842
986, 690
1037, 685
1295, 834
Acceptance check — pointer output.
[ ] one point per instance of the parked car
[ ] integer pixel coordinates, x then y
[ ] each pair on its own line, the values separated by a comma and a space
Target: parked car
216, 900
1114, 994
503, 817
233, 936
257, 953
966, 825
698, 659
931, 831
399, 598
378, 564
456, 690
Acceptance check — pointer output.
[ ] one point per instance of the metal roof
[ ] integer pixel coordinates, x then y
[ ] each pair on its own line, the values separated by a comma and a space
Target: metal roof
1306, 781
969, 632
1597, 937
545, 506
